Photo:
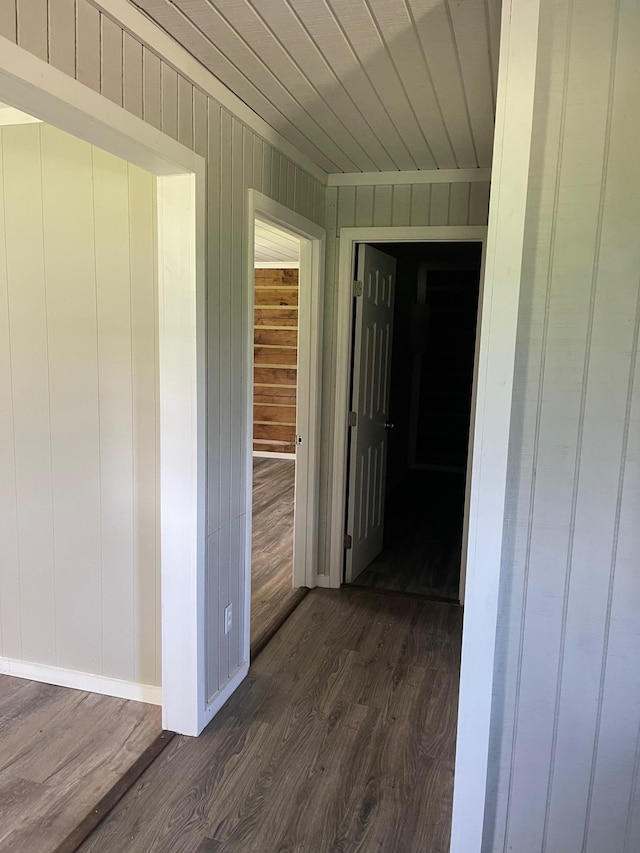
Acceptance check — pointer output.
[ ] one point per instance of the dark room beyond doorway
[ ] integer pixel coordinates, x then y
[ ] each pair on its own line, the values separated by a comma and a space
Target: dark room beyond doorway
432, 366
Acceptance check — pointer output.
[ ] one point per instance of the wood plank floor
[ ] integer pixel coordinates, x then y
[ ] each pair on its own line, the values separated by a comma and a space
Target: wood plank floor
342, 738
63, 754
272, 595
422, 537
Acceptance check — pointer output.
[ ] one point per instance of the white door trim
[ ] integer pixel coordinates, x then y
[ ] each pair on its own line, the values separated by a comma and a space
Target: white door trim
496, 362
312, 240
32, 85
349, 238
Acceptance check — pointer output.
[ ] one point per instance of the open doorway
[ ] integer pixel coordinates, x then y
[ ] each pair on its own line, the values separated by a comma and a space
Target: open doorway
275, 386
414, 345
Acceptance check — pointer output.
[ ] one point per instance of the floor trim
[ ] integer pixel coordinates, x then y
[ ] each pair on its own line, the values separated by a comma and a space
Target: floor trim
269, 634
401, 593
61, 677
113, 796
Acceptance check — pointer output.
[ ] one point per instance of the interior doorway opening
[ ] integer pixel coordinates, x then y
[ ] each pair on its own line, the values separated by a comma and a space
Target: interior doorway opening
275, 390
407, 467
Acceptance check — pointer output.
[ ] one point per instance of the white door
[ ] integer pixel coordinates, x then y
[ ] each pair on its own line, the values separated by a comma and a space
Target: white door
370, 408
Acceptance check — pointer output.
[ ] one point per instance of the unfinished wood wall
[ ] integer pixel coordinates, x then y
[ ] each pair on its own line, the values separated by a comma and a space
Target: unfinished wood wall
565, 754
79, 543
275, 360
75, 37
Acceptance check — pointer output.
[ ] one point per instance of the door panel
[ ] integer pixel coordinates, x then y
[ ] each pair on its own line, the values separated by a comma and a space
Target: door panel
373, 330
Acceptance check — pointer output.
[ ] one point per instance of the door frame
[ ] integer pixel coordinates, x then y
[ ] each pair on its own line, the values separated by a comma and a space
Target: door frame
30, 84
349, 240
310, 305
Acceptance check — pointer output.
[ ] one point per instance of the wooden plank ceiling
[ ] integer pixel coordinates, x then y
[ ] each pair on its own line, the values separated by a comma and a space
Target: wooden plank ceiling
358, 85
275, 247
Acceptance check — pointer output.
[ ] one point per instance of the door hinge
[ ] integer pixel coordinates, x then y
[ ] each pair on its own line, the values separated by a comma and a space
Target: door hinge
347, 541
353, 419
357, 288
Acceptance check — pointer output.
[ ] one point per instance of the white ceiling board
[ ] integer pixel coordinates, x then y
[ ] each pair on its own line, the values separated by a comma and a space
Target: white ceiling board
274, 246
357, 85
11, 116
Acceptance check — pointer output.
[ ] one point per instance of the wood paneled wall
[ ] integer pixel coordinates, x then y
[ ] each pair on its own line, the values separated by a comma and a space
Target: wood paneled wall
79, 569
75, 37
275, 360
347, 207
565, 749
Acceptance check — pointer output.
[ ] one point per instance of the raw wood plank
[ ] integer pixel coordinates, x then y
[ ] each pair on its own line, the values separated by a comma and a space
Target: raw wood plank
276, 296
277, 433
277, 337
271, 278
275, 376
274, 414
274, 394
273, 356
276, 316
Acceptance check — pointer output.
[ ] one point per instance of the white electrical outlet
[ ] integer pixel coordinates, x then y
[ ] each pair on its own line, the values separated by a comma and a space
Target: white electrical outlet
228, 618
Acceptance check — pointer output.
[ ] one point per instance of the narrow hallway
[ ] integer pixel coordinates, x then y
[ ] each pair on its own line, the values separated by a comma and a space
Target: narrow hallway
342, 737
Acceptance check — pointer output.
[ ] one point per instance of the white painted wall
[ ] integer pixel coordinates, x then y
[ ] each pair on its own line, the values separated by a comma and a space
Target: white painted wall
565, 755
79, 572
78, 39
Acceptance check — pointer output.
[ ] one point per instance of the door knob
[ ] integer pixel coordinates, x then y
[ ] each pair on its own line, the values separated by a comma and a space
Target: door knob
388, 425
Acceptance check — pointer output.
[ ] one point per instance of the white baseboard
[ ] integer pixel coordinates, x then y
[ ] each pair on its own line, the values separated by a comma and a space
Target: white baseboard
324, 582
272, 454
86, 681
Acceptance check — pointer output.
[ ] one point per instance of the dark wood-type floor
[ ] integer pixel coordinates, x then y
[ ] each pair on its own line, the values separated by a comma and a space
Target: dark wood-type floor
272, 596
64, 755
342, 738
422, 537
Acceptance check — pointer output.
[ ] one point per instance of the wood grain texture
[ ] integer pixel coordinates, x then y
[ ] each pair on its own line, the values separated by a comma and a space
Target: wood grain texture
275, 376
276, 337
67, 757
272, 592
279, 296
422, 537
268, 315
341, 738
283, 394
275, 350
276, 414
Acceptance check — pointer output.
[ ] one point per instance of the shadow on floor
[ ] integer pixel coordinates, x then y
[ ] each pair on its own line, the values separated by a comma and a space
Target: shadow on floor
422, 537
